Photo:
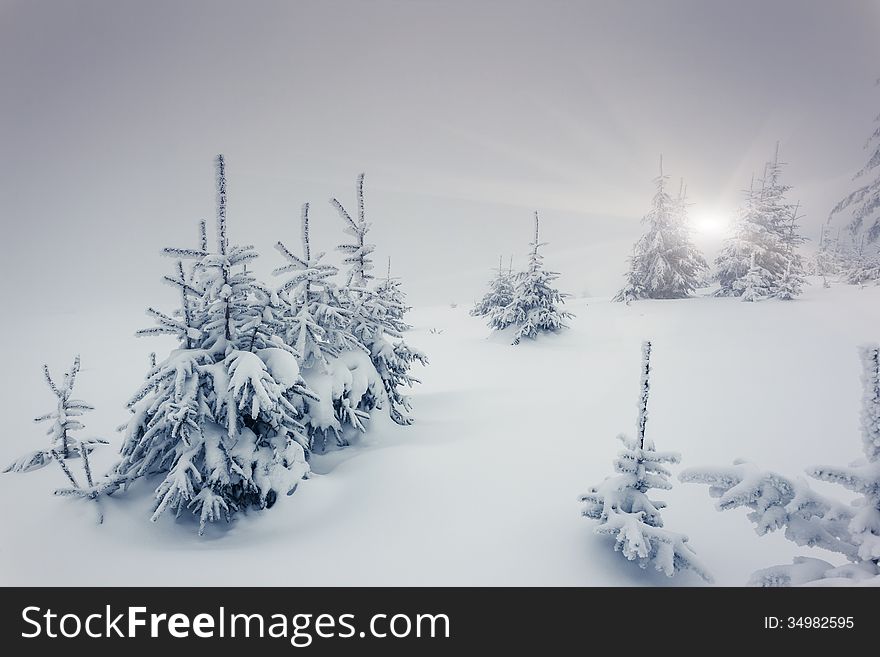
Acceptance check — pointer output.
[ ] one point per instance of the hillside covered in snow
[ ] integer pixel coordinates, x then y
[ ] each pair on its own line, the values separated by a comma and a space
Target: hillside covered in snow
483, 488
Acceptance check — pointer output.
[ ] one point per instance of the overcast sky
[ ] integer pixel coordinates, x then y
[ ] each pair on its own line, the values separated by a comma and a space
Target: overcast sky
465, 116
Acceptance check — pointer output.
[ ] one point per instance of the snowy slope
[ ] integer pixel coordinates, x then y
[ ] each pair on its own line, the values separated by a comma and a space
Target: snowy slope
483, 489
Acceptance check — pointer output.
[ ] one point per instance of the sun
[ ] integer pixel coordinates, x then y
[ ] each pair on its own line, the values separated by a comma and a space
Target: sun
710, 223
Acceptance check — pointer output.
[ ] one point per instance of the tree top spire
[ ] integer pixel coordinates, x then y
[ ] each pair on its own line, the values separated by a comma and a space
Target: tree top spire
222, 238
536, 231
646, 387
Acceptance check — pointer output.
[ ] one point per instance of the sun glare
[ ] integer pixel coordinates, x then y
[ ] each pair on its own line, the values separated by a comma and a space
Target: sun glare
710, 223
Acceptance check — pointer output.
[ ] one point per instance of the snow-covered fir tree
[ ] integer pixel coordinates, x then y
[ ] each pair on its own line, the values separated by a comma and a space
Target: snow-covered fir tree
791, 283
216, 421
736, 256
664, 264
765, 241
535, 304
315, 308
860, 211
827, 261
375, 319
633, 288
317, 323
500, 292
809, 518
859, 264
334, 363
622, 507
390, 290
63, 422
792, 240
757, 284
789, 286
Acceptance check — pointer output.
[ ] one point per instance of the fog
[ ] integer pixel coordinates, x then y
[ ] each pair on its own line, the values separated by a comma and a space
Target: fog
465, 116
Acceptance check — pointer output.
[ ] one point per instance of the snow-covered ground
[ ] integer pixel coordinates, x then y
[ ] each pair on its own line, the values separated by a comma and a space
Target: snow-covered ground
483, 488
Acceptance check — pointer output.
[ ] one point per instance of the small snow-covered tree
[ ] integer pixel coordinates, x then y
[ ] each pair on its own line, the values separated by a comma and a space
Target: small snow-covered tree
859, 264
765, 240
534, 307
216, 421
862, 230
664, 264
621, 505
390, 290
790, 285
335, 364
807, 517
316, 322
499, 295
64, 421
757, 284
317, 316
357, 252
375, 319
861, 273
827, 261
633, 289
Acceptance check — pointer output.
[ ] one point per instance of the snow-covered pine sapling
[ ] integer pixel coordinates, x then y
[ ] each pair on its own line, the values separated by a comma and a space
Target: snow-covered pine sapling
665, 264
827, 261
633, 289
64, 421
334, 362
756, 284
63, 446
303, 291
622, 507
534, 307
394, 359
64, 418
789, 286
390, 290
858, 266
370, 319
373, 319
313, 300
809, 518
792, 281
94, 488
500, 293
184, 324
217, 420
357, 253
